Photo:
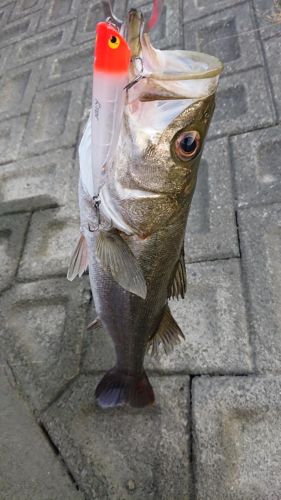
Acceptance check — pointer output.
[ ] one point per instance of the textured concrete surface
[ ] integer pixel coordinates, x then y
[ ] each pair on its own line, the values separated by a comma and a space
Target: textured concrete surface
237, 437
29, 467
125, 453
214, 433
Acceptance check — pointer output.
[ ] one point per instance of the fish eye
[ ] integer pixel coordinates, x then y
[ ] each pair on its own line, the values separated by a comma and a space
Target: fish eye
114, 42
187, 145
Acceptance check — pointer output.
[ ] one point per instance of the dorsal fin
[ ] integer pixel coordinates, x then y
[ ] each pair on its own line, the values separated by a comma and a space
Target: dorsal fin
177, 287
168, 334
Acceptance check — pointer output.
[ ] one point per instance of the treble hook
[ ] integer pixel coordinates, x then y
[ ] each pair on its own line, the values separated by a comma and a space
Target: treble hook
139, 76
107, 7
97, 203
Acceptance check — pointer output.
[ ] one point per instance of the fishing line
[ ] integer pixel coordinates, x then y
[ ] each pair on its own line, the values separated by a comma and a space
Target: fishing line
241, 33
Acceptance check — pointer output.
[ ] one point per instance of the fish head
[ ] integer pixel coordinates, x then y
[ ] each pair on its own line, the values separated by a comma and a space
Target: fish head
153, 175
166, 162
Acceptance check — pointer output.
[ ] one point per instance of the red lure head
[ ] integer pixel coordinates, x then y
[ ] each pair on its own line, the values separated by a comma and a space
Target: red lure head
112, 53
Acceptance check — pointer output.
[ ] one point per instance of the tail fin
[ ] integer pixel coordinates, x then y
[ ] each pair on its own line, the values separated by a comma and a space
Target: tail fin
117, 388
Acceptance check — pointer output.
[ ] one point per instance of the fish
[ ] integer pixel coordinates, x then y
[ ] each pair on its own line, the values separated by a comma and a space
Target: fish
133, 239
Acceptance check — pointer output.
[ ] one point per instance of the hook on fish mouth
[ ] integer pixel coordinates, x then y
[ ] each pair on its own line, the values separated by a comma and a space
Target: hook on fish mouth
99, 225
157, 8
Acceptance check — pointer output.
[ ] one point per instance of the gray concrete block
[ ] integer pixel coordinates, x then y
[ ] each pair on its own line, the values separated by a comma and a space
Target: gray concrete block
5, 13
28, 465
211, 231
25, 7
272, 50
16, 31
236, 432
193, 9
38, 182
12, 231
267, 14
17, 89
4, 57
257, 166
168, 32
11, 134
43, 44
90, 13
260, 233
243, 103
125, 453
55, 12
219, 35
51, 239
212, 317
42, 326
67, 65
54, 118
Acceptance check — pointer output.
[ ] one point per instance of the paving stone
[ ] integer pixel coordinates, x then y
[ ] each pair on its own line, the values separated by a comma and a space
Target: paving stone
193, 9
271, 46
38, 182
5, 13
211, 228
67, 65
42, 326
219, 35
11, 133
43, 44
243, 103
212, 317
55, 12
257, 166
16, 31
90, 13
267, 13
260, 233
12, 231
4, 57
24, 7
51, 239
54, 118
168, 31
17, 89
28, 465
125, 453
120, 9
236, 431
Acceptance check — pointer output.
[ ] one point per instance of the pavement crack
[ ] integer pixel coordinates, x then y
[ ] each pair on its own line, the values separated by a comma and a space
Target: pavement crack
58, 454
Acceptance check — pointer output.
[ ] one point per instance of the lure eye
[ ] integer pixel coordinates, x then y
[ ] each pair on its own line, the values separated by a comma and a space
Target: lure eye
114, 42
187, 145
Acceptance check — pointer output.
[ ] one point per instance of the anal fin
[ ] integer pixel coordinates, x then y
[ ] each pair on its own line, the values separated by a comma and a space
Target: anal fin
177, 287
79, 259
116, 258
168, 334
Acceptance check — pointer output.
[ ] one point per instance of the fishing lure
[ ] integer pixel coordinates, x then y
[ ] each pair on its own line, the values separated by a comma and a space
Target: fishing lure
110, 76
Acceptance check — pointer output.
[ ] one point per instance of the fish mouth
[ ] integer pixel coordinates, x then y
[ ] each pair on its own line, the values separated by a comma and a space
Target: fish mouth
171, 74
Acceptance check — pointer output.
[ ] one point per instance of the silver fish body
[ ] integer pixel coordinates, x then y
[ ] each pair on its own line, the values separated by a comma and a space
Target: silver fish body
151, 188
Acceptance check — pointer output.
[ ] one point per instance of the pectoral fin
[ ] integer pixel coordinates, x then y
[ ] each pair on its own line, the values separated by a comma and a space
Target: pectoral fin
116, 258
79, 259
168, 334
178, 285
